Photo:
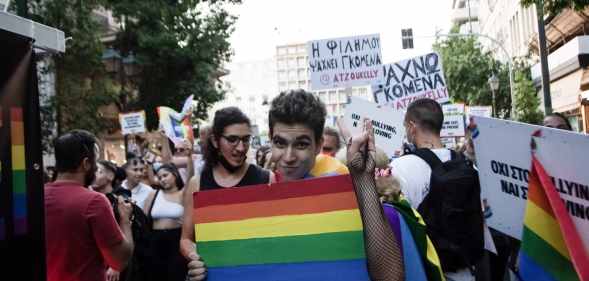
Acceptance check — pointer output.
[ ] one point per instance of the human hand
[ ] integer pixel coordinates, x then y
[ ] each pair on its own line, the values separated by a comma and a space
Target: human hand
362, 150
343, 129
112, 275
125, 209
196, 268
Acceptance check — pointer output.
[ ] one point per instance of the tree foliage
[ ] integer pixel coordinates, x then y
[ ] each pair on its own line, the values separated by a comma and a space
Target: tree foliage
80, 82
180, 47
555, 6
467, 69
527, 103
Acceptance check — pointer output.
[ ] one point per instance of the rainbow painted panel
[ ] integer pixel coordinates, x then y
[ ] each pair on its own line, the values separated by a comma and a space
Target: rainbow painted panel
19, 184
2, 223
309, 230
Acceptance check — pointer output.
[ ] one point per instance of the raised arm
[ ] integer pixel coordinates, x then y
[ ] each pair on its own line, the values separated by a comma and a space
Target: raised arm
384, 257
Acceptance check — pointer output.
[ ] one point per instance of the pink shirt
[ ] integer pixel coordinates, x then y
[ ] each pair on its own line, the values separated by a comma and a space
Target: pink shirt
78, 224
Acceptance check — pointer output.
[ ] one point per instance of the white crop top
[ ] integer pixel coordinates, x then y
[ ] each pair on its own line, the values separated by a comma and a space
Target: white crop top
164, 209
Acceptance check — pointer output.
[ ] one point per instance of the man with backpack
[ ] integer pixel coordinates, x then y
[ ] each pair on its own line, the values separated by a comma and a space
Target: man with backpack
444, 187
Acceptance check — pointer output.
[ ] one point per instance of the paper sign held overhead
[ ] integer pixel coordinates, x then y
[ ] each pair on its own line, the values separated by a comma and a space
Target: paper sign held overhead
132, 123
387, 124
411, 79
453, 120
344, 62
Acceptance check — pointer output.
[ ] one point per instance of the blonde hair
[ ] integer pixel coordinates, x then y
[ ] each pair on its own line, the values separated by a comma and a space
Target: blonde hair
381, 159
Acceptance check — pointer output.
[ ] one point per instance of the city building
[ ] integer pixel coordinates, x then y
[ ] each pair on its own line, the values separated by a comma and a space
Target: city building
568, 64
465, 15
292, 65
512, 26
250, 86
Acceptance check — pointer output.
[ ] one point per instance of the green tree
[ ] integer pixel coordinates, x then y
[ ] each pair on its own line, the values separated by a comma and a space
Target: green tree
180, 47
555, 6
467, 69
527, 103
80, 82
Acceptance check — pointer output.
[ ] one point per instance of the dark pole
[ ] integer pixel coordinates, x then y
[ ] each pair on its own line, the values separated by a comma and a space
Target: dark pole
543, 57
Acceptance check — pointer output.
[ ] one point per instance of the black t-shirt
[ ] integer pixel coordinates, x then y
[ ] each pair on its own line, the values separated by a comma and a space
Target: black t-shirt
254, 175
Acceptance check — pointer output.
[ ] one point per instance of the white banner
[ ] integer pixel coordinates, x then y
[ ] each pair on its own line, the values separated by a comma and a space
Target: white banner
485, 111
132, 123
453, 120
344, 62
449, 143
503, 155
411, 79
388, 124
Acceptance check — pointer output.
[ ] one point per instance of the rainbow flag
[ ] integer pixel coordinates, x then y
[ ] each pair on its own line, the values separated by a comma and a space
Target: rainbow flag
305, 230
177, 127
551, 247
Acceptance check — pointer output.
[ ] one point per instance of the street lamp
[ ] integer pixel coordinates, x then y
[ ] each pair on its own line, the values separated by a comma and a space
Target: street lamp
494, 85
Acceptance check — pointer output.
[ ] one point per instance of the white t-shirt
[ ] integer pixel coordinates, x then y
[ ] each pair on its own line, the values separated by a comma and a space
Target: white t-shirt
139, 193
414, 175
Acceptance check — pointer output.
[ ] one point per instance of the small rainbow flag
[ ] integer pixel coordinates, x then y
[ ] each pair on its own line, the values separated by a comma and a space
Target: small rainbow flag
306, 230
551, 247
176, 126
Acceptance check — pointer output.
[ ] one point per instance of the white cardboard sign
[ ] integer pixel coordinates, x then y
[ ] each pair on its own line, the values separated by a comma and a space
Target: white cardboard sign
387, 124
453, 120
503, 155
344, 62
411, 79
485, 111
132, 123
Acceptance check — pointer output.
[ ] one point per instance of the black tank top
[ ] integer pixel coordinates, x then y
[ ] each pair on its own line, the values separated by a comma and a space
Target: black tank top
254, 175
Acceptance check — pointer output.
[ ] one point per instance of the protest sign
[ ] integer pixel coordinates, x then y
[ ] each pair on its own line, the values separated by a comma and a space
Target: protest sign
503, 155
132, 122
485, 111
411, 79
449, 143
388, 124
453, 120
302, 230
344, 62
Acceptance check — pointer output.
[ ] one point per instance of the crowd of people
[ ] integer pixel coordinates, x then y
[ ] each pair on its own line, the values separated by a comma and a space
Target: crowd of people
135, 222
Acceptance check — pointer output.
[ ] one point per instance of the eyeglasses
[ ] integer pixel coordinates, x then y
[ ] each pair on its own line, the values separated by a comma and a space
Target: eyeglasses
234, 140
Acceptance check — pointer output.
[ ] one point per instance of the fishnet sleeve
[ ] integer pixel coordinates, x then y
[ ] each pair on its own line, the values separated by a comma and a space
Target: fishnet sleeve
382, 250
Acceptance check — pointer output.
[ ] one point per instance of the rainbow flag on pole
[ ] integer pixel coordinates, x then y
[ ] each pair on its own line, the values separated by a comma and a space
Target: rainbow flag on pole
306, 230
551, 247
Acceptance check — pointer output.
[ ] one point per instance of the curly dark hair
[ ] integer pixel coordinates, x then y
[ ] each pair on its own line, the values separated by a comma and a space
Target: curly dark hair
298, 107
223, 117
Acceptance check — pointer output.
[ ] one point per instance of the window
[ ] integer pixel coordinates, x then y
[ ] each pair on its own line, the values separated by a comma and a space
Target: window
282, 50
332, 97
407, 38
282, 75
281, 64
291, 63
301, 62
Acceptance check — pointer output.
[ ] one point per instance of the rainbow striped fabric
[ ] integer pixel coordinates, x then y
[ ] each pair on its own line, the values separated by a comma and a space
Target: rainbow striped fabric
306, 230
175, 125
551, 247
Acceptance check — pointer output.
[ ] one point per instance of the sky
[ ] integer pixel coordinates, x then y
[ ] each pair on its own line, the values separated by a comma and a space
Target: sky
264, 24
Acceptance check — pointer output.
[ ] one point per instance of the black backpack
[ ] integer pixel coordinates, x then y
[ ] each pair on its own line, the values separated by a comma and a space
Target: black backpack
141, 230
452, 210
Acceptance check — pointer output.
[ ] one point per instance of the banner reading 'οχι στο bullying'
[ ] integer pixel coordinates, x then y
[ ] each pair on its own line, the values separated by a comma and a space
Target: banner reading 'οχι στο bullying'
387, 124
408, 80
503, 156
344, 62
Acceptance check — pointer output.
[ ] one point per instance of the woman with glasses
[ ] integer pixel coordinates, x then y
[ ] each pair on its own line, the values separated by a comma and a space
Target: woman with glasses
225, 167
